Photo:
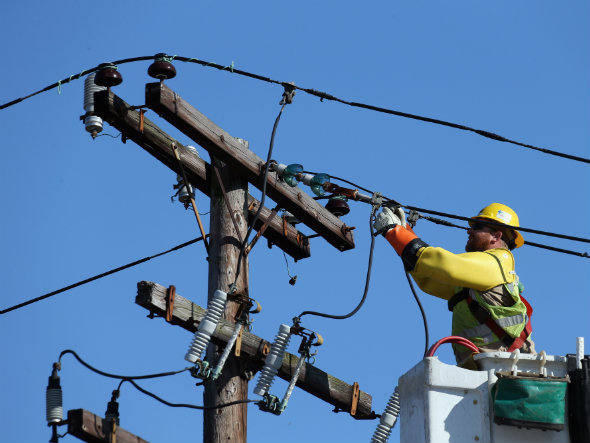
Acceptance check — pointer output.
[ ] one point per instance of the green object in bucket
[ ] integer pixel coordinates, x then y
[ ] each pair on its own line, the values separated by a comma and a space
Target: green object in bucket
529, 402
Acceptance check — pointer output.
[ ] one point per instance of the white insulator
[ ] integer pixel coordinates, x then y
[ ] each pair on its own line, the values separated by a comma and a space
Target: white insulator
184, 195
306, 178
89, 89
388, 419
207, 326
54, 405
273, 361
92, 123
192, 149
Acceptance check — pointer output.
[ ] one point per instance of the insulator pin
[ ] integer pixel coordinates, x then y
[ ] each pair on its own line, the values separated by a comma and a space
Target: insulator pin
207, 326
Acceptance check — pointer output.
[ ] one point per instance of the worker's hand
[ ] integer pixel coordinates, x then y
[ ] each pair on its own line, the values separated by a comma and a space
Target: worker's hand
388, 219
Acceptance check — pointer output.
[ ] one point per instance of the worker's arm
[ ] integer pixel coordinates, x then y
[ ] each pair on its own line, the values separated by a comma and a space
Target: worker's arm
438, 272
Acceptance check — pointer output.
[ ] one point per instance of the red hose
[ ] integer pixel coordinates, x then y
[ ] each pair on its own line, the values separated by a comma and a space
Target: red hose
452, 339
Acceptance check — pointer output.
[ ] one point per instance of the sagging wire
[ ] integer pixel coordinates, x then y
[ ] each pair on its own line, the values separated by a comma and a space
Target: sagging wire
286, 99
98, 276
367, 278
183, 405
321, 95
119, 377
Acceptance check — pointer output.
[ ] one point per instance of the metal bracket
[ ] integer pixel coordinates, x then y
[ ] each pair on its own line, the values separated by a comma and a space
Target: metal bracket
170, 295
355, 398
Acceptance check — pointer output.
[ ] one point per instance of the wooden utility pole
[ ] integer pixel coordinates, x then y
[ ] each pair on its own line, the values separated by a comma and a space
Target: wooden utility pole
227, 424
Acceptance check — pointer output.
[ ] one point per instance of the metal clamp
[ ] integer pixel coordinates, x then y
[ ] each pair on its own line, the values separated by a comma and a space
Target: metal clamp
288, 94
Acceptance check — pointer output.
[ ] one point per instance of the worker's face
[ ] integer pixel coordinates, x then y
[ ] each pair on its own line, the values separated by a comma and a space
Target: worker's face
481, 238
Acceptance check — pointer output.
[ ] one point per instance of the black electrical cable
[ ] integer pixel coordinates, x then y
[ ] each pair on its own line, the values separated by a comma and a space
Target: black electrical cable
314, 92
367, 280
96, 277
186, 405
491, 222
529, 243
460, 217
262, 199
119, 377
426, 335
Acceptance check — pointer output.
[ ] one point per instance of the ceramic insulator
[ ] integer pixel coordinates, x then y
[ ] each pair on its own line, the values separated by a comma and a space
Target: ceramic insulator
207, 326
92, 123
53, 405
388, 419
273, 361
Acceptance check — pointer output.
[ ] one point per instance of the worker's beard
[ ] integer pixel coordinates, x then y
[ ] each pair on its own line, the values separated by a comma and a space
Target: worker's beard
476, 243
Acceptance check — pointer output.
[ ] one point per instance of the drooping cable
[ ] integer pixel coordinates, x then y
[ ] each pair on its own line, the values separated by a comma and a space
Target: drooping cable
262, 199
119, 377
104, 274
186, 405
316, 93
367, 279
426, 335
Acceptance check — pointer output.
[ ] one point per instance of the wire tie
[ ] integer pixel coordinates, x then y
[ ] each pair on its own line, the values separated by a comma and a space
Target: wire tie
59, 87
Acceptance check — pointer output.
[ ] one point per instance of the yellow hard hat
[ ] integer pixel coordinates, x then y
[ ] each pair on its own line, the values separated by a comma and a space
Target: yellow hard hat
504, 215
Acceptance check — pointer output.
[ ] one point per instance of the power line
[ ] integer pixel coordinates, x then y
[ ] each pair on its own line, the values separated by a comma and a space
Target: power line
96, 277
316, 93
529, 243
367, 280
118, 377
187, 405
461, 217
131, 378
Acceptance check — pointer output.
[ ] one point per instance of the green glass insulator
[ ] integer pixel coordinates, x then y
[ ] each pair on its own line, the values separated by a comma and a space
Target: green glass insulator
291, 173
317, 184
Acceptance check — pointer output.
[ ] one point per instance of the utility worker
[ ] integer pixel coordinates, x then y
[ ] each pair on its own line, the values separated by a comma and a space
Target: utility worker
480, 285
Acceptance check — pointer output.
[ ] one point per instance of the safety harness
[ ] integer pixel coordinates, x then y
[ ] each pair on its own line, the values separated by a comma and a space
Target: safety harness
483, 316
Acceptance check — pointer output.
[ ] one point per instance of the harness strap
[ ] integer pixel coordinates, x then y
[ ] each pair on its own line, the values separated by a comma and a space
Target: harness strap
483, 316
456, 298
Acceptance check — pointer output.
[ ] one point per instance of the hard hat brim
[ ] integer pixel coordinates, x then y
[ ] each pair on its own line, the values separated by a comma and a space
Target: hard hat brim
518, 239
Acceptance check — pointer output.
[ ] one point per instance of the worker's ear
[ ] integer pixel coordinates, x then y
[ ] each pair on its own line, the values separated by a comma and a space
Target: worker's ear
498, 235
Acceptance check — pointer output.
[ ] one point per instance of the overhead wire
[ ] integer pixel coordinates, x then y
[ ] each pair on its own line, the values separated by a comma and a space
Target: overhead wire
187, 405
460, 217
424, 320
119, 377
131, 379
367, 279
321, 95
101, 275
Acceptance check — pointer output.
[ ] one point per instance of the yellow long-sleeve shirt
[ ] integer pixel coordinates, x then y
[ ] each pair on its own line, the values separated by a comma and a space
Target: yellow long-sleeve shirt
439, 272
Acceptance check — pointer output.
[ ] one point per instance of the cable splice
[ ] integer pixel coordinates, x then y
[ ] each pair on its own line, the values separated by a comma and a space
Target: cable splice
322, 96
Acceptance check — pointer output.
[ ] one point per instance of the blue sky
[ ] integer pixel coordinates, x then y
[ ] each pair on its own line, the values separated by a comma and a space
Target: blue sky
73, 207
